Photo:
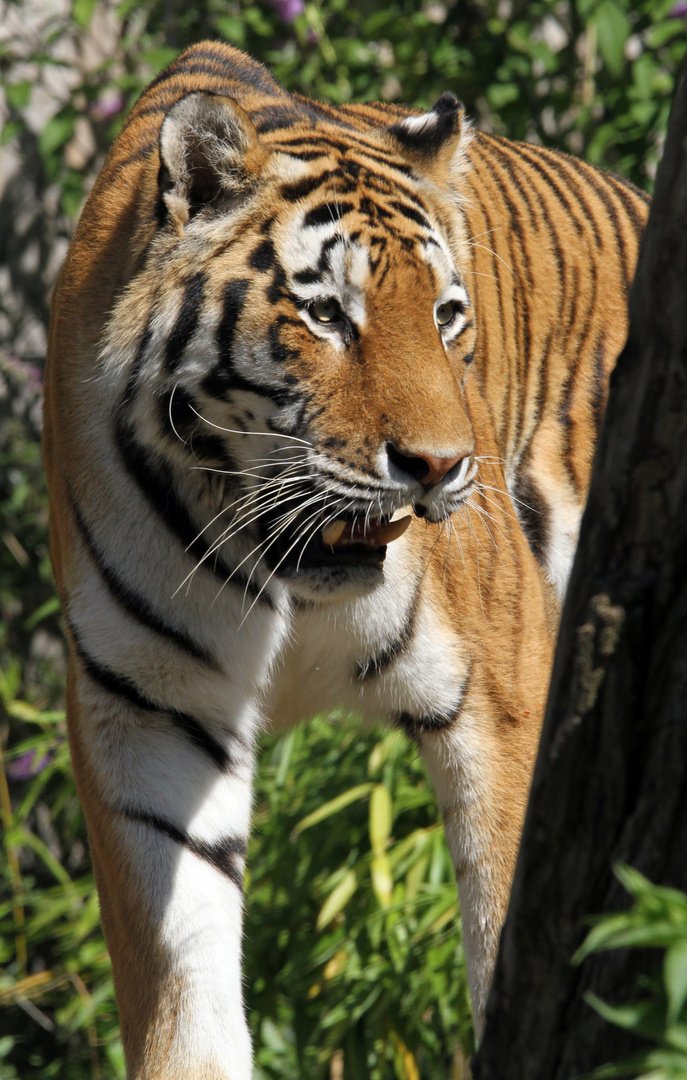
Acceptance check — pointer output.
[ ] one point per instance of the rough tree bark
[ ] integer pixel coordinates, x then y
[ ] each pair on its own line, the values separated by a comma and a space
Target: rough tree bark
611, 778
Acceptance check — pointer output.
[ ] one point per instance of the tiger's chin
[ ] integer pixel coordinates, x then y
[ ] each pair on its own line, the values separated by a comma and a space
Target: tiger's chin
332, 583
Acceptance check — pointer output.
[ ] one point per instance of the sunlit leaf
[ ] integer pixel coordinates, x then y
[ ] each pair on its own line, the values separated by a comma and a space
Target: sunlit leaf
675, 977
380, 817
334, 806
337, 900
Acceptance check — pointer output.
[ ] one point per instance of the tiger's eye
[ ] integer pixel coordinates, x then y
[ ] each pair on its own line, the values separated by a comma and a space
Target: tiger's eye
445, 313
325, 311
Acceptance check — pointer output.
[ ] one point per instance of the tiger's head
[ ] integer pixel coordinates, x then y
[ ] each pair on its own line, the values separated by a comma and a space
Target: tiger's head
296, 343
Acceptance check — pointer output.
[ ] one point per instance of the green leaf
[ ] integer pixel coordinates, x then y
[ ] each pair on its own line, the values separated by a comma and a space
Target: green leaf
337, 900
675, 978
56, 133
82, 12
29, 839
231, 27
500, 94
613, 29
48, 608
360, 791
637, 934
157, 59
18, 94
630, 1017
587, 7
380, 818
382, 881
10, 130
676, 1036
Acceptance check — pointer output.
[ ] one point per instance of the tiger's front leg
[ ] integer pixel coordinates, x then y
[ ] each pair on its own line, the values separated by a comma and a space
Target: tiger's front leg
481, 771
167, 801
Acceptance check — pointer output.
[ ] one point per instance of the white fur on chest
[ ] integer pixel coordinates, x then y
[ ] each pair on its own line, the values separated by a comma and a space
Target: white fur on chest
379, 656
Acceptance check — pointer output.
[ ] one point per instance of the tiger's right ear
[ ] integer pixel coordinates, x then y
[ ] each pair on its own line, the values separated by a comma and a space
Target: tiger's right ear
435, 141
209, 152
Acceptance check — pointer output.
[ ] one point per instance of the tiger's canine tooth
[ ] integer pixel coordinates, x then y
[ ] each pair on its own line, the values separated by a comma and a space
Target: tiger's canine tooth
392, 530
332, 532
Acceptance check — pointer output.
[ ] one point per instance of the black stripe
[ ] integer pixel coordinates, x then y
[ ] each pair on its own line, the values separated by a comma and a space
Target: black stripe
420, 725
277, 287
222, 379
223, 854
154, 478
300, 189
303, 155
220, 382
204, 63
580, 195
296, 110
142, 153
567, 423
414, 726
513, 208
356, 146
546, 173
598, 395
318, 139
180, 424
596, 181
533, 514
144, 342
137, 606
122, 687
187, 320
306, 277
275, 118
371, 667
326, 213
391, 163
263, 257
279, 352
233, 299
512, 165
411, 213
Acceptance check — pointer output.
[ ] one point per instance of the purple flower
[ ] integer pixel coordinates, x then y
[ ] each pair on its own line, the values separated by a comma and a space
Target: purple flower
288, 10
679, 10
108, 104
28, 765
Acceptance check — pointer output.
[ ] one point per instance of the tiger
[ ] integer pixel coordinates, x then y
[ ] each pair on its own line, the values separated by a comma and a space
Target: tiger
323, 388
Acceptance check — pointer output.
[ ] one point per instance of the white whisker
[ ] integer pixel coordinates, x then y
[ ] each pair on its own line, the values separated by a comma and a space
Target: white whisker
265, 434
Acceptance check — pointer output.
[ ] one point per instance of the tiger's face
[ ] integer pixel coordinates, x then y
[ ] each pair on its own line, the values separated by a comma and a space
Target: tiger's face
310, 376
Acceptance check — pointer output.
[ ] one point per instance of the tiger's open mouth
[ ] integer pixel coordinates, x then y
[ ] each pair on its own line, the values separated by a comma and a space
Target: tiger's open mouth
356, 541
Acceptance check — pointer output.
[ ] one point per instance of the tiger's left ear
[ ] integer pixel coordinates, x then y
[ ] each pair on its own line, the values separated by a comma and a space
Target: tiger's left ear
435, 141
209, 153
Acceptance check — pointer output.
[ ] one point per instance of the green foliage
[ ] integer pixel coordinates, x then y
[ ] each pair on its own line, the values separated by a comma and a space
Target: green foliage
352, 929
658, 920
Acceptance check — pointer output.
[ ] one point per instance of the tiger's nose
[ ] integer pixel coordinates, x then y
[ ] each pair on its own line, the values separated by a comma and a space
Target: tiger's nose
427, 468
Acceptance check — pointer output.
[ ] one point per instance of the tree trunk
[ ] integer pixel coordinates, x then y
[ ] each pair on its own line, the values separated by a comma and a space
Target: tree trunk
611, 777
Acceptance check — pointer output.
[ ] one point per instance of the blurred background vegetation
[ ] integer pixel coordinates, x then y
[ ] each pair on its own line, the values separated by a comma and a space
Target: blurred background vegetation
354, 964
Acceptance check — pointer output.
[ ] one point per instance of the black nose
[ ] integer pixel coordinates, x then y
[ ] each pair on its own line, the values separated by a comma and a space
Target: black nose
427, 468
